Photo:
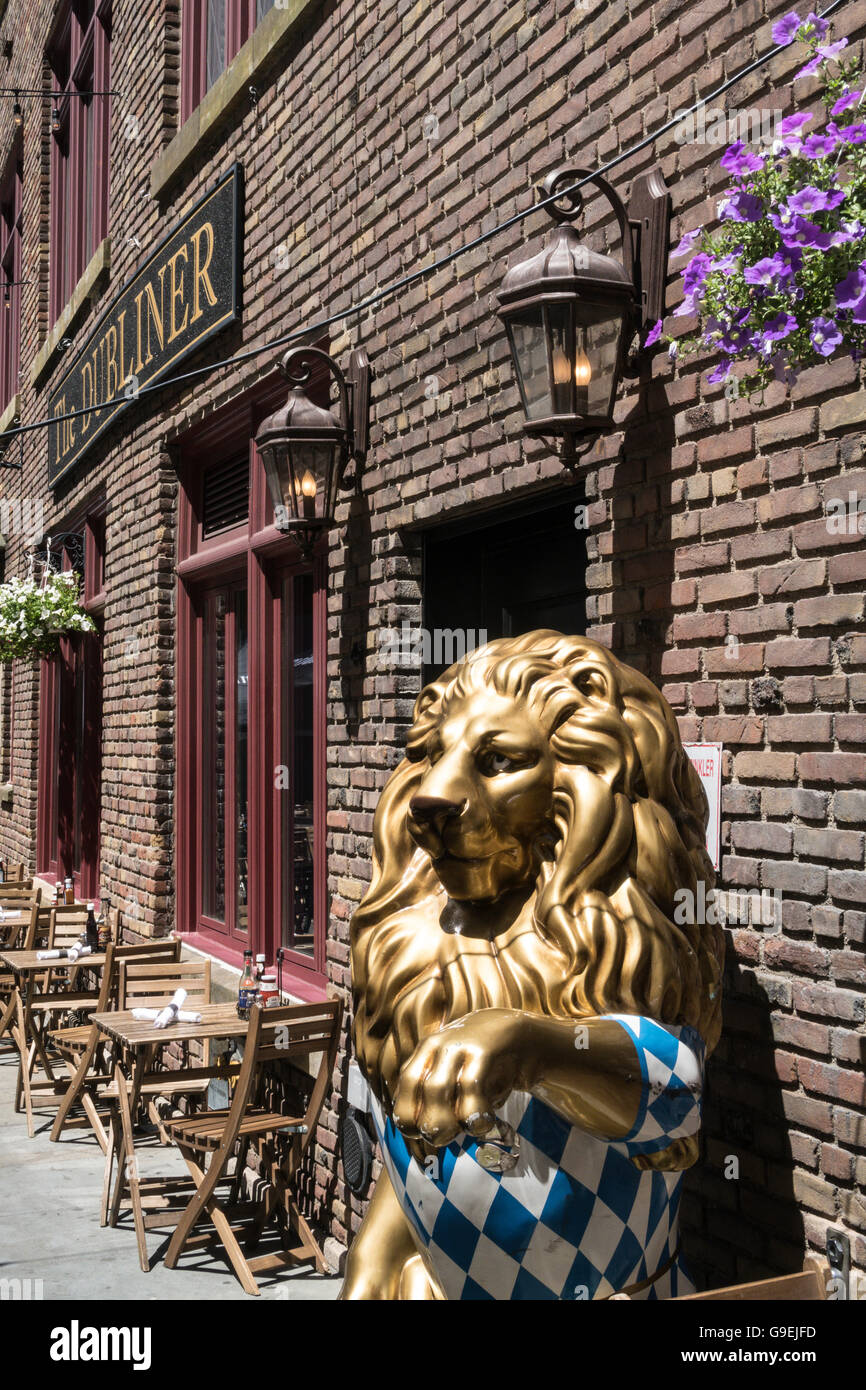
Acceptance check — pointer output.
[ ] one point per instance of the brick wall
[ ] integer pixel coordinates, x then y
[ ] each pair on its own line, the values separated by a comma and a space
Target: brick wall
383, 136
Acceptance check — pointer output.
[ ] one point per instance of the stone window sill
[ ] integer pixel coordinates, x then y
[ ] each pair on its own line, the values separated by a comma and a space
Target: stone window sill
10, 414
258, 51
5, 794
95, 275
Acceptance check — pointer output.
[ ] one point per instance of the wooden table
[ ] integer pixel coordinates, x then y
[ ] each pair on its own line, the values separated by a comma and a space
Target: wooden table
137, 1042
26, 1030
10, 925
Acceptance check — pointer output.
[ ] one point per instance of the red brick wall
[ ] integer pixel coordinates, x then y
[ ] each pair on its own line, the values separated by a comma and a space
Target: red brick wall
385, 135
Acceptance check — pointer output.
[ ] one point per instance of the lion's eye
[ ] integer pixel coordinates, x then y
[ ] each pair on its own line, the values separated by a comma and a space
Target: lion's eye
492, 763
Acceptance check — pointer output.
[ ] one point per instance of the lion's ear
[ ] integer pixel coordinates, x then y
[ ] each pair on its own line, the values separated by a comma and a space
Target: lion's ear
594, 683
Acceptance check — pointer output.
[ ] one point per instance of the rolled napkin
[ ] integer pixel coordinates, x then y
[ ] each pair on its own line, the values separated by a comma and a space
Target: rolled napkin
150, 1015
171, 1011
78, 950
60, 954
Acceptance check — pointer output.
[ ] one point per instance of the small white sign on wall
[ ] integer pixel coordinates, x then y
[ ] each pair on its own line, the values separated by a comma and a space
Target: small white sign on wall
706, 759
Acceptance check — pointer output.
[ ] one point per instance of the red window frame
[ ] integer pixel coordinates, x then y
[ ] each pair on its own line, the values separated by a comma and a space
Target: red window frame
79, 55
239, 19
10, 274
257, 557
70, 757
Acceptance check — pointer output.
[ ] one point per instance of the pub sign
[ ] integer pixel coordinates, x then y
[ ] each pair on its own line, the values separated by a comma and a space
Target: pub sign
187, 289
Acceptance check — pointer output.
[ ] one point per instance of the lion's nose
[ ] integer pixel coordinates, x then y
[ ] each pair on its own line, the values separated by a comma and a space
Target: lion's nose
434, 810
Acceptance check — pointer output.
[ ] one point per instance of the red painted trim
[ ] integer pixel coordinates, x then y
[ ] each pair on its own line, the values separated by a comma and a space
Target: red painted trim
321, 908
304, 987
217, 559
264, 556
75, 191
46, 819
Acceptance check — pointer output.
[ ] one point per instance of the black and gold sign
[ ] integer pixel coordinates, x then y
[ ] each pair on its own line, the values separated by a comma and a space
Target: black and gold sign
188, 289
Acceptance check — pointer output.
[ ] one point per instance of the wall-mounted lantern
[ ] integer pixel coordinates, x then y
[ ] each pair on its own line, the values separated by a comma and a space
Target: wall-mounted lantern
306, 448
571, 314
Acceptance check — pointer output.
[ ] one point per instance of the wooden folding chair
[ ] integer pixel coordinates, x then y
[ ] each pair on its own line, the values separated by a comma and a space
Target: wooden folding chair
274, 1035
14, 876
22, 940
80, 1045
11, 892
152, 986
54, 991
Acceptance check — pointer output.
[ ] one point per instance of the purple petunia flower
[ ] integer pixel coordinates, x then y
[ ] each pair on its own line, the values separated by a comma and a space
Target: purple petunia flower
654, 334
858, 310
696, 272
773, 331
815, 25
799, 231
687, 308
791, 125
672, 351
741, 207
846, 100
819, 146
853, 134
721, 372
822, 55
770, 273
851, 289
810, 200
728, 335
785, 29
738, 160
824, 336
686, 242
808, 69
849, 231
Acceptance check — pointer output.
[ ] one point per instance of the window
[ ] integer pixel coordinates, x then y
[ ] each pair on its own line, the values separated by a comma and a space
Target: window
79, 58
10, 275
508, 576
213, 31
251, 710
70, 732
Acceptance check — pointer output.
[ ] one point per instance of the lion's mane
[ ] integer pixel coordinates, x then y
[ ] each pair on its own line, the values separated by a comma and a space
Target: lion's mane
628, 830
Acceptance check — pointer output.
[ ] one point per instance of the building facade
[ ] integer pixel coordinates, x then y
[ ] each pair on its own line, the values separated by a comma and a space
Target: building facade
211, 756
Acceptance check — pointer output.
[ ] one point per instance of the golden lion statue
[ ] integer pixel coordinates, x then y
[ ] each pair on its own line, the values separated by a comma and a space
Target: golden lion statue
531, 1011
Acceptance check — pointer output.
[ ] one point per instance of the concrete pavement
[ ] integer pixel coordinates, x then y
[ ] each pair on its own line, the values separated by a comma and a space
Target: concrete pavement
49, 1224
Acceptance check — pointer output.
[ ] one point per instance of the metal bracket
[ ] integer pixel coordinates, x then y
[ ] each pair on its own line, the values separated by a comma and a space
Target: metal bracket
838, 1251
358, 376
649, 213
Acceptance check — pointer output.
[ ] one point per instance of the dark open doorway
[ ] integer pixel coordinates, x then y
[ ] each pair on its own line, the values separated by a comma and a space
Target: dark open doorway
508, 574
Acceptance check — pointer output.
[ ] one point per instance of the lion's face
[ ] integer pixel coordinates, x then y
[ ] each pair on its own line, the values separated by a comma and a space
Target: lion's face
485, 799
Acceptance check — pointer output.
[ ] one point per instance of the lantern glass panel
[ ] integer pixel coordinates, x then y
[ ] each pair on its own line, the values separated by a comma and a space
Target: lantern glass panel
530, 353
597, 358
313, 464
560, 334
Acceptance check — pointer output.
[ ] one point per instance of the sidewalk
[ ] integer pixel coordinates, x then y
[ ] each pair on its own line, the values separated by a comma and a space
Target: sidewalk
49, 1224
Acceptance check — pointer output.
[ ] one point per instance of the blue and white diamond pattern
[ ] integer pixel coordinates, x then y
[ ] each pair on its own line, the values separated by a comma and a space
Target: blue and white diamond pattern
574, 1218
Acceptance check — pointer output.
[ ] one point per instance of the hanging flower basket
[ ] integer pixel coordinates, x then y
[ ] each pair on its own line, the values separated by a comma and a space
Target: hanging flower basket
780, 284
36, 613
